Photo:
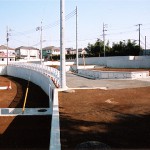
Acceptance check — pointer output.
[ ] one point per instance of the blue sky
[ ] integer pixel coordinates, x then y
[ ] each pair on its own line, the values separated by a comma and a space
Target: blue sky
121, 17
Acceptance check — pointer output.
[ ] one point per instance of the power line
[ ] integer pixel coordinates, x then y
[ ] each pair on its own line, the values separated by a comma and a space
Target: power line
56, 23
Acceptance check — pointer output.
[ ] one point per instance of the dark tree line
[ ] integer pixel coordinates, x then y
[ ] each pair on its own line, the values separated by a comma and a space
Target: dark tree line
97, 50
117, 49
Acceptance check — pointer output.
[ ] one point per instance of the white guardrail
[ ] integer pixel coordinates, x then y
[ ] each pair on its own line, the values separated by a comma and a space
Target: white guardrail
51, 72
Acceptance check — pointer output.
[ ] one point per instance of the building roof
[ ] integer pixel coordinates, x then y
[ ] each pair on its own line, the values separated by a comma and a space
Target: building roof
48, 48
51, 48
5, 47
27, 47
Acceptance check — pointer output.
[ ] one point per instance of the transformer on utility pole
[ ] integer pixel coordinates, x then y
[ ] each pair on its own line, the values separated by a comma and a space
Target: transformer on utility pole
62, 46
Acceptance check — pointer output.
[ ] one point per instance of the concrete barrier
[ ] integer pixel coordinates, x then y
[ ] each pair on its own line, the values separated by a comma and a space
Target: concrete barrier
28, 111
113, 74
38, 78
42, 77
129, 63
55, 126
107, 61
3, 70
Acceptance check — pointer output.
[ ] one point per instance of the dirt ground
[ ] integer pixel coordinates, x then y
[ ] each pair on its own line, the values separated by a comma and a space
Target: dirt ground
118, 118
23, 132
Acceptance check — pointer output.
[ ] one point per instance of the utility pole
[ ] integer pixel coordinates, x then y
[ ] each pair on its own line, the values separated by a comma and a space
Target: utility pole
139, 34
62, 46
41, 42
99, 47
104, 26
7, 39
76, 39
145, 45
41, 29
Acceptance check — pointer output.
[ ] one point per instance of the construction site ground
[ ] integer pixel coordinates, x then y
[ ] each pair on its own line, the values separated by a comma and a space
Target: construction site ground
23, 132
118, 116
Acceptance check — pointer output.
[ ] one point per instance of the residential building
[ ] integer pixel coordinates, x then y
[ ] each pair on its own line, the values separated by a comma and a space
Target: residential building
51, 51
28, 53
72, 51
3, 53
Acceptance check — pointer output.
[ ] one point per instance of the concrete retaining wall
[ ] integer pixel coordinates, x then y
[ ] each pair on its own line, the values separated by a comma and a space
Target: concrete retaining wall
103, 60
3, 70
113, 74
38, 78
106, 61
129, 63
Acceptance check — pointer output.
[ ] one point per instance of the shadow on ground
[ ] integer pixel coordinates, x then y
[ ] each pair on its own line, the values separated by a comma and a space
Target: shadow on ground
25, 132
36, 98
126, 132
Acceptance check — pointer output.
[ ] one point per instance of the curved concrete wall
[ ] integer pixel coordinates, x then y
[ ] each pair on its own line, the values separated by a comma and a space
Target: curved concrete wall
34, 76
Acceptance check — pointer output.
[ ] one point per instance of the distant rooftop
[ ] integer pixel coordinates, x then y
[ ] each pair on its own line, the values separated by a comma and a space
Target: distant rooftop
5, 47
27, 47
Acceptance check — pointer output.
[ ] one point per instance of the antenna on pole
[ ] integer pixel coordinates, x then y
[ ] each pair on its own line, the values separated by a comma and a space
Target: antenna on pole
62, 46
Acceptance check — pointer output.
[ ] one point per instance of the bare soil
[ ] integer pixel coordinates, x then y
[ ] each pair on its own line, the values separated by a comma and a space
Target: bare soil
23, 132
118, 118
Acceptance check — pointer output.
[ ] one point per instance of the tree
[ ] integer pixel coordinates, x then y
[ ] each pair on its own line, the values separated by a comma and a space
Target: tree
96, 49
118, 49
125, 49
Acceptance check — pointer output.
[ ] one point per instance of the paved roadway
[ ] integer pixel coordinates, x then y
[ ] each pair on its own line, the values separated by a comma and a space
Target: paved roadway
74, 81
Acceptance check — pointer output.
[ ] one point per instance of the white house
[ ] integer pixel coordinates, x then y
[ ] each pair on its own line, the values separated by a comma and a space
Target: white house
51, 50
3, 53
28, 53
73, 51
